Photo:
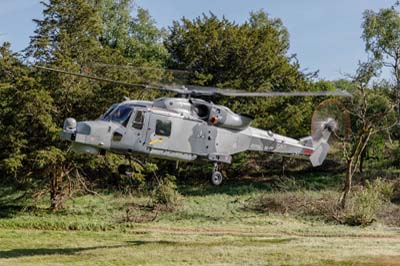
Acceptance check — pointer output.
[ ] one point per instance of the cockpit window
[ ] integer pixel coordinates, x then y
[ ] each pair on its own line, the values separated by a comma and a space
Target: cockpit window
120, 114
106, 114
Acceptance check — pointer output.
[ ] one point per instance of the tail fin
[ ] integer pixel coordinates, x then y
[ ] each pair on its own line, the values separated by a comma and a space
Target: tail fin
319, 154
319, 141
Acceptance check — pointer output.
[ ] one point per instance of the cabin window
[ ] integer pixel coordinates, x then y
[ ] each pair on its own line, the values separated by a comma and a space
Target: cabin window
163, 127
117, 136
138, 120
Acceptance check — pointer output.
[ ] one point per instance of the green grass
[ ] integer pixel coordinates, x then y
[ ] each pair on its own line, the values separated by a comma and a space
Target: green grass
211, 226
157, 247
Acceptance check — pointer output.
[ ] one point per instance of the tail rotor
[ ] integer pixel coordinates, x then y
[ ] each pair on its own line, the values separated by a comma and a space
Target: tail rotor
330, 123
330, 117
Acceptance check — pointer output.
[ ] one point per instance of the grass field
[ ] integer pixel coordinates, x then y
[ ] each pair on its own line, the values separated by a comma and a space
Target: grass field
211, 226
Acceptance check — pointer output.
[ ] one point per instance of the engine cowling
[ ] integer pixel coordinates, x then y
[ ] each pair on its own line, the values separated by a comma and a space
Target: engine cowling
224, 117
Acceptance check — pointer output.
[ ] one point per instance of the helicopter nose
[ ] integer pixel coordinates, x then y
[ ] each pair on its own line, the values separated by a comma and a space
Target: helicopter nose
72, 128
95, 133
92, 137
69, 129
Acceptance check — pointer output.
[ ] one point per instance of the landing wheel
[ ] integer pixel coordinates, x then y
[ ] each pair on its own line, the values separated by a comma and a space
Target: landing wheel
216, 178
124, 169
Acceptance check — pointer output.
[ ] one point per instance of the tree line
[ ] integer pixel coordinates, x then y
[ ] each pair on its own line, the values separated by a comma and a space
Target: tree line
103, 38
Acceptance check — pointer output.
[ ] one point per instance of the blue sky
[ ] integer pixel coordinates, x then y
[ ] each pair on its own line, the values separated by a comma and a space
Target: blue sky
324, 34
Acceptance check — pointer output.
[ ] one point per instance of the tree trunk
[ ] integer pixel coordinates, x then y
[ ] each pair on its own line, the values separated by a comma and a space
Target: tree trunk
56, 191
362, 158
283, 166
352, 163
347, 183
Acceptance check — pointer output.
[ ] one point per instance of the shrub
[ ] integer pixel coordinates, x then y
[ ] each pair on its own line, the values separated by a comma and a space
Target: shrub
137, 181
288, 184
298, 203
165, 191
365, 203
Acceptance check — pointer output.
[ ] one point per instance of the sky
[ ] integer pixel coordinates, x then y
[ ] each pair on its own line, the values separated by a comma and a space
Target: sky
324, 34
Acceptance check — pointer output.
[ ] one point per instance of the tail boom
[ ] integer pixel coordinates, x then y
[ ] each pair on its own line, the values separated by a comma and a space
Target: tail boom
315, 149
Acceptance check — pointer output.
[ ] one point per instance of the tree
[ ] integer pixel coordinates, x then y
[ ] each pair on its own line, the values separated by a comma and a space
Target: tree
251, 56
75, 36
145, 40
27, 125
115, 19
66, 38
382, 39
372, 112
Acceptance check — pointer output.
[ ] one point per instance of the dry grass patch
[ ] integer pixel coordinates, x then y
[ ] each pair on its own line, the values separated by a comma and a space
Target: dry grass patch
365, 205
308, 203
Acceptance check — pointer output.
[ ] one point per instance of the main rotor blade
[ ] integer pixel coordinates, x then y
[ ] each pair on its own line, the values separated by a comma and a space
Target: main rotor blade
240, 93
277, 93
133, 67
203, 91
146, 86
128, 84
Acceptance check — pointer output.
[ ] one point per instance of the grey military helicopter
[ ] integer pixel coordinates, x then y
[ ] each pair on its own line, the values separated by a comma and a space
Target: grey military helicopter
187, 128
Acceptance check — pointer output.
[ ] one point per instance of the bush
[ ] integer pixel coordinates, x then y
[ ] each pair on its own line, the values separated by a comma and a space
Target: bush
365, 203
165, 191
288, 184
298, 203
137, 181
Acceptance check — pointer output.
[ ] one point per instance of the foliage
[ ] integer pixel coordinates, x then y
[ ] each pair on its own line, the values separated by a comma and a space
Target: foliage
145, 42
366, 202
115, 19
380, 33
371, 112
25, 114
303, 203
396, 156
252, 57
72, 35
165, 191
137, 182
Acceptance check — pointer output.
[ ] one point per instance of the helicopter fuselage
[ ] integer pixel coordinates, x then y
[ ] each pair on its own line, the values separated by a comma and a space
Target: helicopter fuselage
182, 129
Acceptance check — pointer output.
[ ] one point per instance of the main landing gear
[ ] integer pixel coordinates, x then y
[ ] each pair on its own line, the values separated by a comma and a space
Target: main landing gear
216, 177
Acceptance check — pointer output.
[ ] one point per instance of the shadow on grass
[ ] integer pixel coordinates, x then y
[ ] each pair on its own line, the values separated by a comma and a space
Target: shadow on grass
244, 241
10, 201
9, 211
231, 188
299, 180
196, 217
30, 252
316, 180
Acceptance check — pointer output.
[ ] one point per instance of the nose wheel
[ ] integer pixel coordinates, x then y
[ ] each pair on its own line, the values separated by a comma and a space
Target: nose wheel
216, 177
124, 169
